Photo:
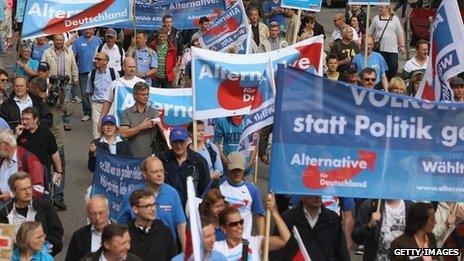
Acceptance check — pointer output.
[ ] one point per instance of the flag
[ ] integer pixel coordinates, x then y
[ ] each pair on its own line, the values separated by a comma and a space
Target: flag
246, 47
263, 113
194, 250
302, 254
446, 55
227, 32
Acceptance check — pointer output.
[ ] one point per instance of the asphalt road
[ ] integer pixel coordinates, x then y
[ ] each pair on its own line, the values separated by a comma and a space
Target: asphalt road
77, 176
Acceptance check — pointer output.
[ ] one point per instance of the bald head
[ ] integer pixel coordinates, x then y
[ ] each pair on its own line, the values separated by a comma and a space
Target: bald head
129, 68
339, 20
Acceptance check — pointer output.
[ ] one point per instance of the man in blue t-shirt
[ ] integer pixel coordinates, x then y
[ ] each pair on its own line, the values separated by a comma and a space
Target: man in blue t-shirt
168, 206
39, 47
84, 49
274, 13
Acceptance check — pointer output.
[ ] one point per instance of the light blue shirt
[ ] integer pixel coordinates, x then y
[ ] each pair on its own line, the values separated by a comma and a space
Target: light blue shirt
23, 105
100, 85
84, 50
376, 62
214, 256
32, 64
8, 168
145, 62
38, 51
4, 124
217, 164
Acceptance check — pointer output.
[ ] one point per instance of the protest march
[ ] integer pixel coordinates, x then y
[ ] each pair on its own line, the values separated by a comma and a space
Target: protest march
231, 130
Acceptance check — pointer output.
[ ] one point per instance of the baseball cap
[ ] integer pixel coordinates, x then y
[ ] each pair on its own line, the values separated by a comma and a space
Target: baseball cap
237, 161
178, 133
43, 66
111, 31
456, 81
108, 119
351, 68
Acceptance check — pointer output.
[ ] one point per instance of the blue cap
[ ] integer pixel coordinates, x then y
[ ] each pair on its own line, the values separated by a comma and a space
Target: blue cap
178, 133
108, 118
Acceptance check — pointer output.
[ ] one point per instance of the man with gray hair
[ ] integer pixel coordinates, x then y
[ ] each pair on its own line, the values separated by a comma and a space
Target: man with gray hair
14, 158
141, 125
88, 238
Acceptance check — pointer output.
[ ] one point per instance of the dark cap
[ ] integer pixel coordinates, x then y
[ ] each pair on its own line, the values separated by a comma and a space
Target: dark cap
456, 81
178, 133
108, 119
44, 66
111, 32
351, 68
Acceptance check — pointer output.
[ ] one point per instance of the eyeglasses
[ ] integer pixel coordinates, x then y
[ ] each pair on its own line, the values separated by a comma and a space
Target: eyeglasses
4, 80
369, 79
99, 59
236, 223
147, 206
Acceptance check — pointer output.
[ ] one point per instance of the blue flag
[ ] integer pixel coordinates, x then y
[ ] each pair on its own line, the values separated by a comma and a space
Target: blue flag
331, 138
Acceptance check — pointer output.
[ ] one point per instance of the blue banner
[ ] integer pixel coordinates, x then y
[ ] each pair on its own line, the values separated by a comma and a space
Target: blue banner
227, 84
309, 5
368, 2
114, 177
20, 5
47, 17
185, 13
228, 31
174, 105
332, 138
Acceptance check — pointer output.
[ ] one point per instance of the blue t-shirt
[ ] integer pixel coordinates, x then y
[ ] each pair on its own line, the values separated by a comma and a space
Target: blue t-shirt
219, 234
279, 18
215, 256
3, 124
146, 59
33, 65
85, 51
375, 62
228, 134
168, 208
38, 51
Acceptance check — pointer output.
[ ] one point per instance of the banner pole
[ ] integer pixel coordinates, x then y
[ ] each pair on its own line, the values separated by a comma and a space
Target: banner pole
454, 209
366, 34
297, 26
379, 201
256, 161
267, 233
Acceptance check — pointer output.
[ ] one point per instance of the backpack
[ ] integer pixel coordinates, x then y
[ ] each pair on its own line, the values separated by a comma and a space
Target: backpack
92, 76
121, 51
212, 153
47, 184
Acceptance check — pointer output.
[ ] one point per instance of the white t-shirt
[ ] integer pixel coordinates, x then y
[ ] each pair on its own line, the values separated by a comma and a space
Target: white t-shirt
393, 225
120, 82
234, 254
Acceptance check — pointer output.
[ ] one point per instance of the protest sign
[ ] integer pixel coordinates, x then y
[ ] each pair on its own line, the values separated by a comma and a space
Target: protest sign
185, 13
47, 17
226, 84
331, 138
309, 5
446, 56
7, 241
114, 177
229, 30
368, 2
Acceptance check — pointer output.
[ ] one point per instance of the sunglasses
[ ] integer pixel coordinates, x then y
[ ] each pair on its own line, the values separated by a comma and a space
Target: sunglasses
236, 223
369, 79
4, 80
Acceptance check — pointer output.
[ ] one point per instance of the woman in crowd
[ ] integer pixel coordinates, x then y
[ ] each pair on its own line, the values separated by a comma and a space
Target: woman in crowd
448, 215
25, 65
185, 80
354, 22
208, 150
414, 83
396, 85
306, 28
109, 142
212, 204
30, 241
420, 221
231, 222
391, 39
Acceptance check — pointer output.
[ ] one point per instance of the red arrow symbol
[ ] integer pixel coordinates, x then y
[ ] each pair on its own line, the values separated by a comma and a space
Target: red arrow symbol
312, 175
57, 25
230, 25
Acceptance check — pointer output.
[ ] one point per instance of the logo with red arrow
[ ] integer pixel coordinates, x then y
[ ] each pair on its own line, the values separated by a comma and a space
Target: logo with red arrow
313, 176
233, 96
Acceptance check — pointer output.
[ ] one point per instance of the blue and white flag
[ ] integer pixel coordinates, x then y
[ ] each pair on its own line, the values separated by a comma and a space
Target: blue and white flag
247, 46
230, 30
446, 54
262, 115
48, 17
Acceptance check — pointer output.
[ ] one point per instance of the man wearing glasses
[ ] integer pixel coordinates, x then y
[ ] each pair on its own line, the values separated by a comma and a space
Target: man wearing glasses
98, 82
114, 51
168, 206
83, 48
368, 77
3, 86
149, 236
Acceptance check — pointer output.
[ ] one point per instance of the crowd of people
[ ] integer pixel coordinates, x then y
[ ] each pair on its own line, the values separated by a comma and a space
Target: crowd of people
86, 67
